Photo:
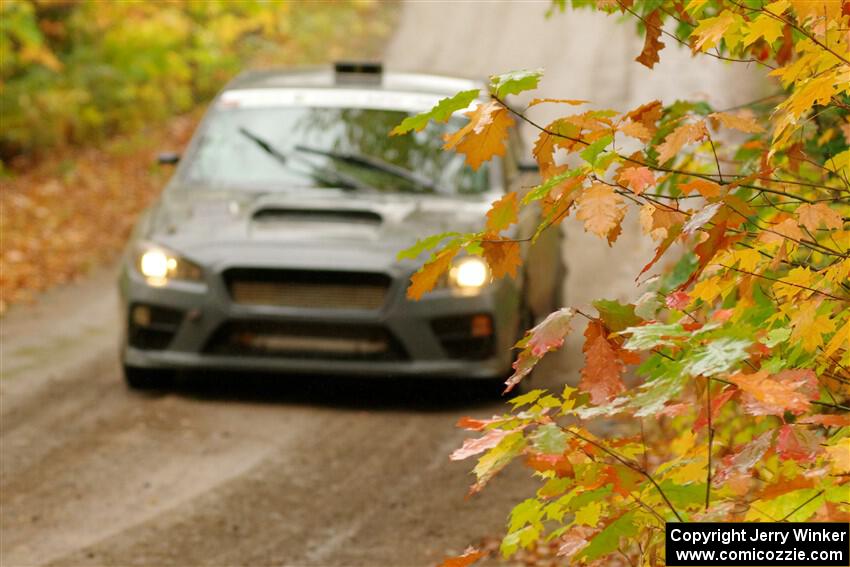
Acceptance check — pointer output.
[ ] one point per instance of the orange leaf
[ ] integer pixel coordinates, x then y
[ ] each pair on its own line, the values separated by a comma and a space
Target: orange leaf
571, 101
637, 178
484, 135
652, 44
503, 257
428, 275
668, 241
470, 556
675, 140
647, 114
637, 130
742, 121
601, 375
502, 213
704, 187
812, 216
774, 395
600, 209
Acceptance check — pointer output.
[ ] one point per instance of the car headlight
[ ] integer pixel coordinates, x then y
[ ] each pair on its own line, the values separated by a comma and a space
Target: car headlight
159, 265
469, 273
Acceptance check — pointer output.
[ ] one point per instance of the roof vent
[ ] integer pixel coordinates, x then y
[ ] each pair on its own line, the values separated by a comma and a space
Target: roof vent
347, 72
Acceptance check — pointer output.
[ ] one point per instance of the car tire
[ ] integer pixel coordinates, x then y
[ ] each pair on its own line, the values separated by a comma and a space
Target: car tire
148, 378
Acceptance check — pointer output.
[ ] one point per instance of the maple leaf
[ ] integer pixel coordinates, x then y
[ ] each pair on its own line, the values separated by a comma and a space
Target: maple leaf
470, 556
603, 369
769, 396
474, 446
515, 82
652, 44
679, 137
636, 130
742, 121
795, 443
839, 456
483, 136
600, 209
711, 30
503, 256
812, 216
704, 187
441, 112
637, 178
677, 300
717, 403
428, 275
764, 26
647, 115
502, 214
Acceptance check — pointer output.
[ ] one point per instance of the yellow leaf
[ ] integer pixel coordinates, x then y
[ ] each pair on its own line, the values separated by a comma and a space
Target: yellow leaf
809, 327
814, 91
711, 30
764, 26
600, 209
839, 456
841, 339
484, 135
589, 514
787, 287
838, 273
707, 289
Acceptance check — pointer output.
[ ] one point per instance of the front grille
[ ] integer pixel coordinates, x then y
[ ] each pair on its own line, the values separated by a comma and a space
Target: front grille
305, 341
308, 289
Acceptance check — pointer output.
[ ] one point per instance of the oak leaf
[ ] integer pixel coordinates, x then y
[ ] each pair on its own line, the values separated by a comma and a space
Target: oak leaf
503, 256
652, 43
742, 121
704, 187
637, 178
440, 113
483, 136
428, 275
601, 209
515, 82
502, 214
682, 135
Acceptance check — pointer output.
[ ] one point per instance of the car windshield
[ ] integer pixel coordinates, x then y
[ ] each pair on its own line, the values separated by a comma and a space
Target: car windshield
290, 147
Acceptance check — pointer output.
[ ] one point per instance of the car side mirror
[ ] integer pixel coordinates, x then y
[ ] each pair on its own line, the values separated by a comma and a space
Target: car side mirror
168, 158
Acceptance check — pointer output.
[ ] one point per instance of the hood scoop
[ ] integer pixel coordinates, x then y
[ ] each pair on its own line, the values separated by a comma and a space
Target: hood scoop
275, 215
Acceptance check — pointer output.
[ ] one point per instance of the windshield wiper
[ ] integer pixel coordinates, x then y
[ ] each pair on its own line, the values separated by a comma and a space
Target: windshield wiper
322, 174
372, 162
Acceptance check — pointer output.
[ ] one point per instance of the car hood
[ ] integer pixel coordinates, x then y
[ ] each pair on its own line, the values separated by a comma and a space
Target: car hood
208, 225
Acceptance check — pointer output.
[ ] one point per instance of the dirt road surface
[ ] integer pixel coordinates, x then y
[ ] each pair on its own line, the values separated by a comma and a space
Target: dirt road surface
246, 471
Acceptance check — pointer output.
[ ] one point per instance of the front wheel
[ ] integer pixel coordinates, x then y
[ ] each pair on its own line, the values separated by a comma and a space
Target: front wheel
148, 378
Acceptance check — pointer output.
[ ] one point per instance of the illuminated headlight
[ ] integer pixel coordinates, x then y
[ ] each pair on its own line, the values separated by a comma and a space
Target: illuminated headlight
159, 265
469, 273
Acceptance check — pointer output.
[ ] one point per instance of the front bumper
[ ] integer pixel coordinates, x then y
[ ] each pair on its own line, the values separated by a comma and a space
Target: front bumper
205, 308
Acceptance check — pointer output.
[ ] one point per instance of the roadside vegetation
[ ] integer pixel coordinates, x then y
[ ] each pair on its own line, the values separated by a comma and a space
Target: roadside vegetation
740, 410
90, 92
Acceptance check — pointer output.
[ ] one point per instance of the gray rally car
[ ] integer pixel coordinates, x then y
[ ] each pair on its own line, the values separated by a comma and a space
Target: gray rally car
274, 245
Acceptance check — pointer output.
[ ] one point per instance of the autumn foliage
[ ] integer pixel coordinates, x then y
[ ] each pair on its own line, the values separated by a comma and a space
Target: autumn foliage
729, 378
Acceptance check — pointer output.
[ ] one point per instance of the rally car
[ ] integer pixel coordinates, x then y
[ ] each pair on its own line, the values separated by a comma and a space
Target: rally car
274, 245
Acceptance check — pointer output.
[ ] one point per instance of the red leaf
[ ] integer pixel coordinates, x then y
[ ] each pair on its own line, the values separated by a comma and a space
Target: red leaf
716, 404
601, 375
795, 444
677, 300
474, 424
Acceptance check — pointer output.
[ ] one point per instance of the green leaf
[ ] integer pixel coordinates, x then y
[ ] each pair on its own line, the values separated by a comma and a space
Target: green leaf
615, 315
776, 336
441, 112
424, 244
608, 540
590, 154
537, 193
529, 511
717, 356
549, 439
650, 336
589, 514
683, 496
653, 394
515, 82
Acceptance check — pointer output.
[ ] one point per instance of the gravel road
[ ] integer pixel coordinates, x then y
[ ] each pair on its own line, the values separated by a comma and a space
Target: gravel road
250, 472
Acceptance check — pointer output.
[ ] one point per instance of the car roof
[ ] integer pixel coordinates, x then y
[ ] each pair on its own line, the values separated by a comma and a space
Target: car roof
325, 77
